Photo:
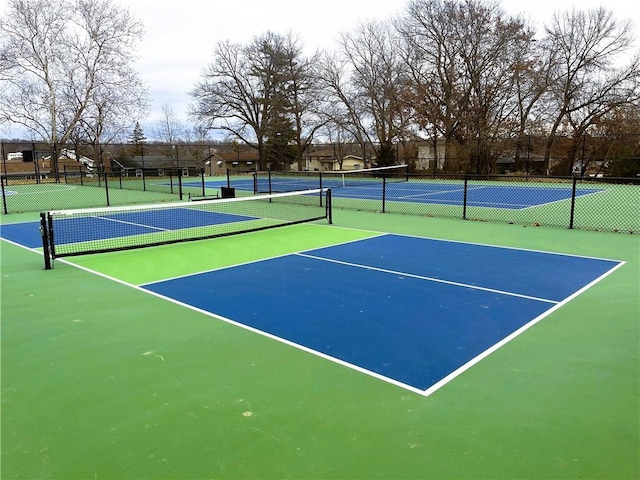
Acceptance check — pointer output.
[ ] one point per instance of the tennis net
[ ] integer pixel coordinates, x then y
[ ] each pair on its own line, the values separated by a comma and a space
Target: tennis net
96, 230
271, 181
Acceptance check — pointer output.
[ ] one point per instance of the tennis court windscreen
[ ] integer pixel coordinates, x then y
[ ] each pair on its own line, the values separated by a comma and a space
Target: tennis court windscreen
95, 230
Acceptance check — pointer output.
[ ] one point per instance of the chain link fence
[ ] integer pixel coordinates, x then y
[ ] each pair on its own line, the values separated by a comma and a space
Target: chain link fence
586, 203
601, 204
78, 187
595, 198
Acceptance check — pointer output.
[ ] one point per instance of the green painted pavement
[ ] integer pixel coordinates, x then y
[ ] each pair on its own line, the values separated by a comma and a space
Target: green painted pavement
101, 380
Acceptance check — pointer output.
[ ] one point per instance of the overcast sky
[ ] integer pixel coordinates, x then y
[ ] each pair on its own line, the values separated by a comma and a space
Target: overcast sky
180, 34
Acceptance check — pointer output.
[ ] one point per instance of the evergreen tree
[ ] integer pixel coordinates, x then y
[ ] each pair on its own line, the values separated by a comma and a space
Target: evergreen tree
137, 138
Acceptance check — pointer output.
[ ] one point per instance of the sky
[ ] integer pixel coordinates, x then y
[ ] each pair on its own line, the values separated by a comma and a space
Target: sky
180, 35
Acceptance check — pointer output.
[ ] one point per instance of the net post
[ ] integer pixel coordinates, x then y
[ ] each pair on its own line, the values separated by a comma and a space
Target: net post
80, 173
144, 181
179, 183
329, 205
202, 178
44, 232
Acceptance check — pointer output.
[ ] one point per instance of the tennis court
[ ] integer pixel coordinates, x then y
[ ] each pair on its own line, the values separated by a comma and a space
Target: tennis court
490, 196
424, 322
378, 346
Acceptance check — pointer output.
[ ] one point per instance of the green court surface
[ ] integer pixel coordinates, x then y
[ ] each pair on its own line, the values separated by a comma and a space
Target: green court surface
101, 380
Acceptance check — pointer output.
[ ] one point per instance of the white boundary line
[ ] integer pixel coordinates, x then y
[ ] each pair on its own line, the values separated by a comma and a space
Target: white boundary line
346, 242
115, 220
430, 279
61, 188
513, 335
469, 243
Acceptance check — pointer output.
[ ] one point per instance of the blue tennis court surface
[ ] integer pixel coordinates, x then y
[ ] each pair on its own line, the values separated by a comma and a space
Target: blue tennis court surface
123, 224
118, 224
409, 310
25, 233
511, 197
508, 197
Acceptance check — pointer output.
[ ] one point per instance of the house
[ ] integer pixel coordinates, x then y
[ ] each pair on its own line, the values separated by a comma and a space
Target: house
66, 154
352, 162
430, 156
327, 160
218, 163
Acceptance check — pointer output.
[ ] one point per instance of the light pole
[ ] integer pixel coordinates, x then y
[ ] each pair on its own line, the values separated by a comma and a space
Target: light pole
175, 147
279, 148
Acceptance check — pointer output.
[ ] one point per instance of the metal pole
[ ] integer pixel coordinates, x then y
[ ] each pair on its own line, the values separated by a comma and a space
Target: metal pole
464, 202
384, 192
573, 202
45, 241
106, 185
4, 197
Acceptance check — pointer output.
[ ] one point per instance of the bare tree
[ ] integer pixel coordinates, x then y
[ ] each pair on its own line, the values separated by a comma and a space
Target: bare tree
588, 84
67, 63
341, 110
532, 78
464, 58
303, 92
377, 76
169, 129
432, 56
250, 92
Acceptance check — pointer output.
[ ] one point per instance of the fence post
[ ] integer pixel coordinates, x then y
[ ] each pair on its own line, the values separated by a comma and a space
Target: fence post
179, 183
573, 201
4, 198
464, 201
106, 185
384, 193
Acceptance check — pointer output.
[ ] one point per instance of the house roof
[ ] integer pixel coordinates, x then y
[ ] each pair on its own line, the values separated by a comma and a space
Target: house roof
248, 156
